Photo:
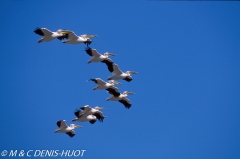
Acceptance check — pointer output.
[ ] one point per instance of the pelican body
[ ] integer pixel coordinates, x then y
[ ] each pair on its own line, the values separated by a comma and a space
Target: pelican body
72, 38
122, 99
109, 86
63, 128
119, 75
47, 35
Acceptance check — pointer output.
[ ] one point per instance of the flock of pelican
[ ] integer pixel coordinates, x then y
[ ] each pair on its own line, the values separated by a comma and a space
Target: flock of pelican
87, 113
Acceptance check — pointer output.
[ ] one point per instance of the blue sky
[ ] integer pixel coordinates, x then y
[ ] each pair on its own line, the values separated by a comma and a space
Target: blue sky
186, 101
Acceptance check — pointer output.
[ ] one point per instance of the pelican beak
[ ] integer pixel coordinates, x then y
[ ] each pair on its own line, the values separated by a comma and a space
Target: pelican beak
132, 72
77, 126
130, 93
117, 83
110, 54
90, 36
101, 108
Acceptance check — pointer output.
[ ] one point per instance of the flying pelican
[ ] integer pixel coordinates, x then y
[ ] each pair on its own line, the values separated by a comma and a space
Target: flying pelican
118, 74
122, 99
94, 111
48, 35
109, 86
72, 38
84, 117
63, 128
96, 57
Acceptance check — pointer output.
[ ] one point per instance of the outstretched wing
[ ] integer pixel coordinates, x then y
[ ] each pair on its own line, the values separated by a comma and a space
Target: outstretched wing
43, 32
78, 113
98, 81
62, 124
128, 78
70, 34
114, 91
116, 70
99, 116
71, 133
92, 52
109, 64
126, 103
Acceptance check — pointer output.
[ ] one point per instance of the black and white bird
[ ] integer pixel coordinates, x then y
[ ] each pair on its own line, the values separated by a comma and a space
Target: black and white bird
119, 75
63, 128
81, 117
109, 86
96, 57
94, 111
47, 35
72, 38
122, 99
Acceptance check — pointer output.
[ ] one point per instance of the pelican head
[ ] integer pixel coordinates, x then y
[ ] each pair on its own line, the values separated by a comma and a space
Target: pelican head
99, 108
109, 54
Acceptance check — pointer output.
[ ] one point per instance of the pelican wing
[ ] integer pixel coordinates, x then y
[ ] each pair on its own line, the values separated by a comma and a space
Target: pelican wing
71, 133
98, 81
114, 91
109, 64
62, 124
71, 34
116, 70
39, 31
128, 78
92, 121
78, 113
46, 32
126, 103
92, 52
99, 116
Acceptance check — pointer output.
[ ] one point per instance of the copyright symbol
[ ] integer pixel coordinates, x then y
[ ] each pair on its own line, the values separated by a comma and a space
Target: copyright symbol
4, 153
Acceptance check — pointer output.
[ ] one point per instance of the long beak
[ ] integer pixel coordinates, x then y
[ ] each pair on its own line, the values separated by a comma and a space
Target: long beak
99, 108
109, 54
132, 72
90, 36
129, 93
117, 83
78, 126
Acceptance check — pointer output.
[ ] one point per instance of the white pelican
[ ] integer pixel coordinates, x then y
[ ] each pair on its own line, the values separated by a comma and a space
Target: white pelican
72, 38
118, 74
63, 128
94, 111
109, 86
84, 117
122, 99
48, 35
96, 57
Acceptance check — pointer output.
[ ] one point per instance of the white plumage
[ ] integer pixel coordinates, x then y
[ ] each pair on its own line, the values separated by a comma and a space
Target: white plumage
63, 128
122, 99
119, 75
47, 35
72, 38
